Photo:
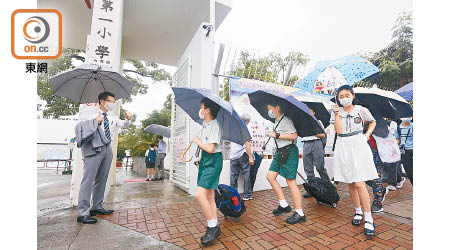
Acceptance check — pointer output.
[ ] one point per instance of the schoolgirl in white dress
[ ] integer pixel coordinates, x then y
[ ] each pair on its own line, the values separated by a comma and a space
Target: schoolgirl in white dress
353, 161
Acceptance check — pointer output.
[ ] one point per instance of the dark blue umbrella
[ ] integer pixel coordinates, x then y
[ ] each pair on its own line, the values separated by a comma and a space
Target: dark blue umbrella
233, 128
406, 92
382, 103
305, 123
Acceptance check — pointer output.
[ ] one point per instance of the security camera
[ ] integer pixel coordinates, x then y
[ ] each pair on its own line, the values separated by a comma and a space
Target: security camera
208, 27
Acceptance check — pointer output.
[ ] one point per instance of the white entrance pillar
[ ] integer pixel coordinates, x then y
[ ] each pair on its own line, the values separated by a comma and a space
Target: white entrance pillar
103, 48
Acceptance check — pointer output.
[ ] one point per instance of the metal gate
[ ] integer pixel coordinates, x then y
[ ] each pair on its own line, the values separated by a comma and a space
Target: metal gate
179, 172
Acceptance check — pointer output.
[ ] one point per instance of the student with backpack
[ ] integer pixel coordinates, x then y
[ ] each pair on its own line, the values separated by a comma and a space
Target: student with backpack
314, 155
209, 166
404, 135
353, 160
285, 163
378, 190
150, 159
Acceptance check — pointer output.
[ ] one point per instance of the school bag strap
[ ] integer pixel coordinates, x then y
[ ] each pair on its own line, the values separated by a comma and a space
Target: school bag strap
399, 131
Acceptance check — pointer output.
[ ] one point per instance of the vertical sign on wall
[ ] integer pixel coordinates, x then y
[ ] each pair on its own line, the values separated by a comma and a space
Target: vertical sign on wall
106, 34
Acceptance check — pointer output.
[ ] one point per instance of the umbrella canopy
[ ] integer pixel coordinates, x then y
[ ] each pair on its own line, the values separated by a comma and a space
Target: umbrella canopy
406, 92
321, 111
305, 123
86, 82
158, 130
233, 128
382, 103
350, 69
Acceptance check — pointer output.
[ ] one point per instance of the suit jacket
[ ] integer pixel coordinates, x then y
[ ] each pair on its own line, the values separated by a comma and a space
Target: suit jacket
90, 137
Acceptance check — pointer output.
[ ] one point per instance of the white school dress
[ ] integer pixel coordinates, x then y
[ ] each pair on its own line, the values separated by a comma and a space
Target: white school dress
353, 159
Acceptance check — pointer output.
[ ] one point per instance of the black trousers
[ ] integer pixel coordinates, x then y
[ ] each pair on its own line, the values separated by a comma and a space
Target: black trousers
407, 161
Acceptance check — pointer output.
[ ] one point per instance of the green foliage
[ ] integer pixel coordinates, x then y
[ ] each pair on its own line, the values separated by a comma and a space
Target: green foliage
396, 60
271, 68
136, 139
56, 106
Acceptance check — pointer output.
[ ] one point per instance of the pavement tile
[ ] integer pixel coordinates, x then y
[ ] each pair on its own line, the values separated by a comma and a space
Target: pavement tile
182, 224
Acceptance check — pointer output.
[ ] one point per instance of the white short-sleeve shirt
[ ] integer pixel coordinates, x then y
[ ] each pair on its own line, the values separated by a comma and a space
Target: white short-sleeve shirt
353, 121
286, 126
211, 132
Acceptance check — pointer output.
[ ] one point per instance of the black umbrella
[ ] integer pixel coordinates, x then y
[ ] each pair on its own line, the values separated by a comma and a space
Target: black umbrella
322, 113
305, 123
382, 103
87, 81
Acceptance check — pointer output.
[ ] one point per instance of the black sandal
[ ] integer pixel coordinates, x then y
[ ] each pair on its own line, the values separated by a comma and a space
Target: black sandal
356, 222
369, 233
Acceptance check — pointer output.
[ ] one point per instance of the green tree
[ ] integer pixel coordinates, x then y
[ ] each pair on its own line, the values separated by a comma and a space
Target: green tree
271, 68
136, 139
57, 106
395, 61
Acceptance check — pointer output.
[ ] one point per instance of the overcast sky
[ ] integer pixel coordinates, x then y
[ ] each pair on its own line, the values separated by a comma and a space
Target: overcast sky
321, 29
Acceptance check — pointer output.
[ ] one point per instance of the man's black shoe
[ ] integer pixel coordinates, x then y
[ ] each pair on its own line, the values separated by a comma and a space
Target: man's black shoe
211, 234
86, 219
101, 212
296, 218
281, 210
161, 178
307, 195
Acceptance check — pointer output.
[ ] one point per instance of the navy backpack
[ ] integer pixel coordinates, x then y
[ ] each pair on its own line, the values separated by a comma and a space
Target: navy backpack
229, 202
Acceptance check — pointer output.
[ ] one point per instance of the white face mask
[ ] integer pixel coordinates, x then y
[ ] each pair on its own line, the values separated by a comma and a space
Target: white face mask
406, 119
110, 106
200, 114
346, 101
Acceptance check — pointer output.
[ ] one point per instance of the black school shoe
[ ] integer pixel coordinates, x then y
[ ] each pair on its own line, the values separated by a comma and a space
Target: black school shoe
211, 234
357, 222
296, 218
369, 233
101, 212
281, 210
86, 219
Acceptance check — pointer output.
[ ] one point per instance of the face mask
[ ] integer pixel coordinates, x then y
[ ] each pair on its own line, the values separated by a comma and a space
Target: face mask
270, 114
201, 115
110, 106
346, 101
406, 119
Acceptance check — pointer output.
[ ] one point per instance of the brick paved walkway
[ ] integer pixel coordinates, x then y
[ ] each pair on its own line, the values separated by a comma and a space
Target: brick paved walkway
183, 224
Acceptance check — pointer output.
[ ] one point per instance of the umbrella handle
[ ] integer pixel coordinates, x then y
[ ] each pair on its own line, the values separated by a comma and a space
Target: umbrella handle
184, 153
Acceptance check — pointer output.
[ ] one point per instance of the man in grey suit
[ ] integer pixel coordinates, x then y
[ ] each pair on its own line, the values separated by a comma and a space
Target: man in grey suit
94, 137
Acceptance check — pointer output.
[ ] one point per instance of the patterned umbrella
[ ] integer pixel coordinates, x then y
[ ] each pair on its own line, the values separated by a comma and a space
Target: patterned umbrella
333, 73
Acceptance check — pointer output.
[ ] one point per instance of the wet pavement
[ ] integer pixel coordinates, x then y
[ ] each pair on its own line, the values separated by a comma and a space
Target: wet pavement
157, 215
56, 223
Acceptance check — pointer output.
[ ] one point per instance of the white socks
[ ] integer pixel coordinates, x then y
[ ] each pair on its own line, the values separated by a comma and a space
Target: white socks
358, 210
300, 212
283, 203
148, 176
212, 223
368, 217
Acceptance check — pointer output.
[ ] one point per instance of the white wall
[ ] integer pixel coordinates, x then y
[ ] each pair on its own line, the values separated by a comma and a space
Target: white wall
200, 49
261, 182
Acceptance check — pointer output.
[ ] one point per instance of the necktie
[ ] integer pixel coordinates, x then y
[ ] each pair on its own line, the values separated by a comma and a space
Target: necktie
106, 125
